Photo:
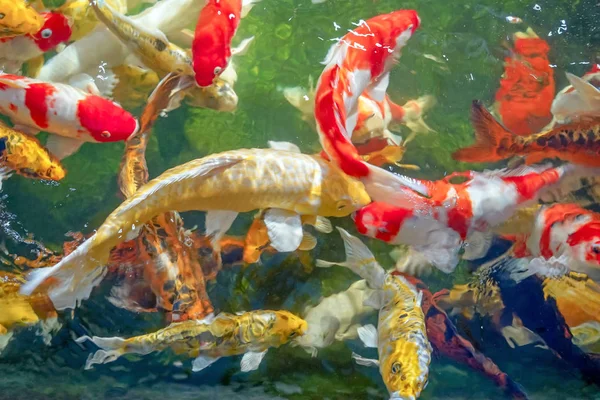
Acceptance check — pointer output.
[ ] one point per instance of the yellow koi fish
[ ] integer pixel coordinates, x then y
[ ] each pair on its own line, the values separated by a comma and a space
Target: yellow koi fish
251, 333
289, 184
18, 18
26, 156
83, 17
401, 336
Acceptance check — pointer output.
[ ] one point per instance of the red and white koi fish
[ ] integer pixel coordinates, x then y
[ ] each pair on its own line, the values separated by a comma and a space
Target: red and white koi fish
565, 237
580, 99
360, 62
72, 115
216, 27
14, 51
456, 214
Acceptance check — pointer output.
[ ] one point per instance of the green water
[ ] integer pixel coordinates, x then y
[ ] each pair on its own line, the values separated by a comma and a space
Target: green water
291, 39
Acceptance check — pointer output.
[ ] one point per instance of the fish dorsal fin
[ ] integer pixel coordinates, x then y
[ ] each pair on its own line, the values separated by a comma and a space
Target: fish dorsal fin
589, 93
284, 229
284, 146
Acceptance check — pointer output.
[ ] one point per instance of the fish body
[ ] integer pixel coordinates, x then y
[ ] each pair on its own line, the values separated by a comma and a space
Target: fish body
24, 155
288, 183
208, 340
83, 17
359, 62
580, 99
14, 51
457, 213
19, 18
72, 114
151, 46
401, 335
577, 142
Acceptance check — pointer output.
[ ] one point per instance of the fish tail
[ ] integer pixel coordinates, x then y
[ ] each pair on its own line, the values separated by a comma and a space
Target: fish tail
490, 137
111, 348
73, 278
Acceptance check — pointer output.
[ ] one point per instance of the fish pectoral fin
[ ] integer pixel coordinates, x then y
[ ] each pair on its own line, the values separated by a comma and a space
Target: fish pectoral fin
62, 146
323, 225
378, 88
552, 267
106, 82
308, 242
376, 300
284, 146
217, 224
86, 83
367, 362
368, 335
477, 245
242, 48
444, 259
26, 129
284, 229
202, 362
247, 6
251, 361
589, 93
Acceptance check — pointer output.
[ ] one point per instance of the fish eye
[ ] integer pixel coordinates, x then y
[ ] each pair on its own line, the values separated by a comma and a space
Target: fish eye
105, 134
46, 33
2, 15
218, 70
579, 217
596, 249
396, 368
292, 334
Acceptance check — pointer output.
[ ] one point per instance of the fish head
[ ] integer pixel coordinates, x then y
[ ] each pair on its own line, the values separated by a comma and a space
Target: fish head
56, 30
54, 171
219, 96
381, 221
288, 327
210, 58
585, 245
341, 194
105, 120
405, 370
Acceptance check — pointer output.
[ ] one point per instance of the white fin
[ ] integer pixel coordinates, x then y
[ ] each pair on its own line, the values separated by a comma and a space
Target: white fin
477, 245
392, 188
84, 82
5, 173
202, 362
553, 267
62, 146
242, 48
588, 92
247, 6
368, 335
411, 262
517, 336
378, 88
106, 81
376, 300
284, 229
252, 360
367, 362
284, 146
309, 242
217, 224
111, 349
445, 260
323, 225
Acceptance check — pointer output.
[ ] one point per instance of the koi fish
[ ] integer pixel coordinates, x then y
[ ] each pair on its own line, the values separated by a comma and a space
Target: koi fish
24, 155
527, 86
17, 50
72, 115
580, 99
360, 62
251, 334
19, 18
457, 213
576, 142
289, 184
577, 297
211, 49
400, 337
84, 19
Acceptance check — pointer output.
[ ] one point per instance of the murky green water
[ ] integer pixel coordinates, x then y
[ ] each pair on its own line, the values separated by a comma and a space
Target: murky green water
292, 38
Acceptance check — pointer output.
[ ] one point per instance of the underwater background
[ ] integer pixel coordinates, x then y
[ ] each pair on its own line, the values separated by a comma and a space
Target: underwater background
291, 39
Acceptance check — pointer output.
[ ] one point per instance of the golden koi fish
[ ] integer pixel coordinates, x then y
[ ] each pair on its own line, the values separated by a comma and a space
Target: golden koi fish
250, 333
18, 18
401, 336
289, 184
26, 156
83, 17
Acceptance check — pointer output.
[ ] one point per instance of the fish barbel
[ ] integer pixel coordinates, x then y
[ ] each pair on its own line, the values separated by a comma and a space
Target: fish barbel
251, 333
224, 184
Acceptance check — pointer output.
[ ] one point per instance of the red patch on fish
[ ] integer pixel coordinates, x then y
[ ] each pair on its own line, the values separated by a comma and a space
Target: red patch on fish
13, 107
557, 213
36, 101
104, 120
386, 219
528, 186
56, 30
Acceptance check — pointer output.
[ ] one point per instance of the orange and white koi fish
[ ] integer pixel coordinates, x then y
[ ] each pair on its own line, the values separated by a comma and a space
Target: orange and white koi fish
457, 213
211, 49
251, 334
360, 62
19, 18
401, 335
17, 50
72, 115
580, 99
577, 142
565, 237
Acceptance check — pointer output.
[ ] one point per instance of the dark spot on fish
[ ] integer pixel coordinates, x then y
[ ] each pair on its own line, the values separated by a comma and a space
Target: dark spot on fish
2, 15
580, 140
402, 316
564, 140
169, 285
553, 142
571, 135
160, 45
284, 317
2, 145
541, 141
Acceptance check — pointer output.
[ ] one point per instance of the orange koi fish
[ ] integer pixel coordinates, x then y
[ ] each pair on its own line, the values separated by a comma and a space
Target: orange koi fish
527, 86
577, 142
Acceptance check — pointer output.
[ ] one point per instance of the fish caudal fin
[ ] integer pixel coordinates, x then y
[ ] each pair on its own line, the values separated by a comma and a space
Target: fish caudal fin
73, 278
110, 349
489, 133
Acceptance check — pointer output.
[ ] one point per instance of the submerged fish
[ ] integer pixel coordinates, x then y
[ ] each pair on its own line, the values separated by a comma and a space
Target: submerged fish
251, 334
580, 99
400, 337
25, 155
289, 184
577, 142
83, 17
19, 18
